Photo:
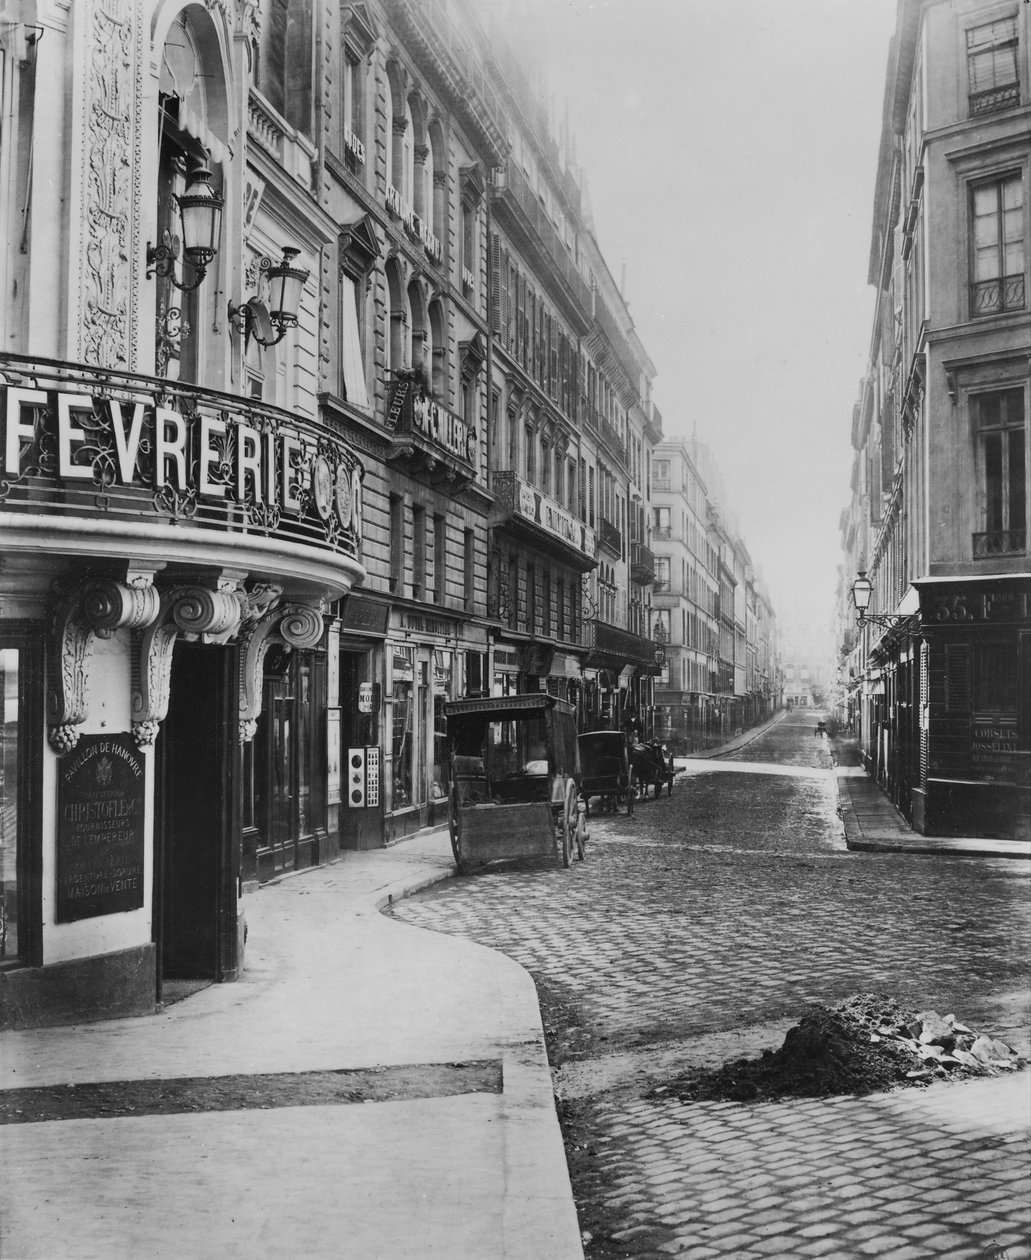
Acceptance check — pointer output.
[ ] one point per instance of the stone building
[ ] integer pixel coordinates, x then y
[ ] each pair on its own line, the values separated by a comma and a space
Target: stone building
937, 521
711, 609
320, 407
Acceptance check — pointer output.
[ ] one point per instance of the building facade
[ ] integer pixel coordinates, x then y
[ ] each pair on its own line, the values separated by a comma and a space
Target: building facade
937, 518
711, 609
320, 408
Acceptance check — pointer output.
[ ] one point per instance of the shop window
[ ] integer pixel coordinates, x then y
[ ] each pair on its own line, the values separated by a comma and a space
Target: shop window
997, 246
403, 710
992, 79
443, 669
1002, 468
397, 543
19, 882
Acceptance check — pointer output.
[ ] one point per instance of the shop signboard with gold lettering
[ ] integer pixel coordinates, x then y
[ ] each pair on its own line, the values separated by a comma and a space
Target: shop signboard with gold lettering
100, 817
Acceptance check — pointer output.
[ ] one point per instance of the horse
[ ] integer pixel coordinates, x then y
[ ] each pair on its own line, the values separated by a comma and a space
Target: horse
653, 766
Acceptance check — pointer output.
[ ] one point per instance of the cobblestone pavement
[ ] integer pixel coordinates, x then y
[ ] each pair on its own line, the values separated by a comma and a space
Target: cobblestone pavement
697, 931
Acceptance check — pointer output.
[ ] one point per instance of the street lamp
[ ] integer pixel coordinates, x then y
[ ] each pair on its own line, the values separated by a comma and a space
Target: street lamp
862, 590
200, 209
268, 324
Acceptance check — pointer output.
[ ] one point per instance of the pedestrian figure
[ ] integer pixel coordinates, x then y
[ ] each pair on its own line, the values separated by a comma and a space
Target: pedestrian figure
821, 729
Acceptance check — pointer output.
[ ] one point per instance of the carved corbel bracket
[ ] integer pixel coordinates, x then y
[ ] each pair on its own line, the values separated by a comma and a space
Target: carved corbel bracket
84, 611
295, 626
206, 614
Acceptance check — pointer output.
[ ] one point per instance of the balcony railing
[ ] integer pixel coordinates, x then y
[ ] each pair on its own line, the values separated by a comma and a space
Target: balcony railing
1000, 542
125, 455
543, 521
992, 297
642, 564
994, 98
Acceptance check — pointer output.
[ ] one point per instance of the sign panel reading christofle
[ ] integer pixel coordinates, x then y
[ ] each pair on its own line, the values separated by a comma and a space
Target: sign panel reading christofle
100, 814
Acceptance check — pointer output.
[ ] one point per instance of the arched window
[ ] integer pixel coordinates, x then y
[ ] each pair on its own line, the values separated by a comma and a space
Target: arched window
398, 343
191, 136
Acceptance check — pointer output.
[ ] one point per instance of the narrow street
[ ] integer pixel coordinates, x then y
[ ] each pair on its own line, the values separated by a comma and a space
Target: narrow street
697, 931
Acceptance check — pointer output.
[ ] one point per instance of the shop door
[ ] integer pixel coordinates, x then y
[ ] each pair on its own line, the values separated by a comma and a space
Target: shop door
195, 902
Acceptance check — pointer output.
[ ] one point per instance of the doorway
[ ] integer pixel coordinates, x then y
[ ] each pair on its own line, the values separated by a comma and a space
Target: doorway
195, 862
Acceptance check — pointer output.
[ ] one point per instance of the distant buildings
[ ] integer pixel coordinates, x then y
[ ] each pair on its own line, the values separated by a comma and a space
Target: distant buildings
711, 609
941, 686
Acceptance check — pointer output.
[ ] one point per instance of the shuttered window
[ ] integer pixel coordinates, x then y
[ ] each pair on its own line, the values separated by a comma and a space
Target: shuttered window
957, 678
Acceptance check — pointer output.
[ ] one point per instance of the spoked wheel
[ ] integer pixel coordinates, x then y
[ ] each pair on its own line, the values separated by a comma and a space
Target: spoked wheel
454, 826
567, 825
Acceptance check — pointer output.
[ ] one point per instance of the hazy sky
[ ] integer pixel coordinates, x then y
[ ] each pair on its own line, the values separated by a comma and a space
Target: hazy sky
730, 150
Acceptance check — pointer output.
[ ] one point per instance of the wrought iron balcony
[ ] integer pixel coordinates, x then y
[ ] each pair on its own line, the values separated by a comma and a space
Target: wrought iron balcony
145, 466
642, 564
993, 297
614, 648
429, 440
610, 537
994, 98
541, 521
1000, 542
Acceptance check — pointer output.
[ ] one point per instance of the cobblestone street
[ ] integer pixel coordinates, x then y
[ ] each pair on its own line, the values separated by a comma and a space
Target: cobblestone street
697, 931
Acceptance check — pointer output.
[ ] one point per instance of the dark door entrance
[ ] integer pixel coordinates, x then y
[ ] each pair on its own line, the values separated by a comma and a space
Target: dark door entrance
195, 898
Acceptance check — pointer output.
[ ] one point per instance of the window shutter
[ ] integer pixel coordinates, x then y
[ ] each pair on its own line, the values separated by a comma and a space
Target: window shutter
957, 678
506, 302
495, 283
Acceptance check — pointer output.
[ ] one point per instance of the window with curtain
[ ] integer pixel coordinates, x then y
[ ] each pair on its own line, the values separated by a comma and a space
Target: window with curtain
355, 390
997, 245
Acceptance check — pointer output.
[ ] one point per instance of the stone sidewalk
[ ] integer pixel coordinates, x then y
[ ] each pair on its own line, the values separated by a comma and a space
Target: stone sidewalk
330, 986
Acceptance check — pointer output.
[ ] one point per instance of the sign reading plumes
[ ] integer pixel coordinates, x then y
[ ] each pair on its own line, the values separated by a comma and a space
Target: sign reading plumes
117, 446
100, 816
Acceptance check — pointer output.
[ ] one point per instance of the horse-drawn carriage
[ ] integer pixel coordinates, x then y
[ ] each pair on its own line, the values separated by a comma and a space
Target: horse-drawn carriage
652, 766
607, 772
515, 779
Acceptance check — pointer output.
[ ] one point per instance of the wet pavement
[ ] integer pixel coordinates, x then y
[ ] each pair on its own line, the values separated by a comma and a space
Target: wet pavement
697, 931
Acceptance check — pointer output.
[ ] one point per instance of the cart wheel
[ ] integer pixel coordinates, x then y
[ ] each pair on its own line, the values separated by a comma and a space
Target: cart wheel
567, 825
455, 830
631, 792
581, 833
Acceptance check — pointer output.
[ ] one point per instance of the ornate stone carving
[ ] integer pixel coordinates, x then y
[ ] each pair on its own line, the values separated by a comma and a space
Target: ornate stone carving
83, 611
296, 626
112, 127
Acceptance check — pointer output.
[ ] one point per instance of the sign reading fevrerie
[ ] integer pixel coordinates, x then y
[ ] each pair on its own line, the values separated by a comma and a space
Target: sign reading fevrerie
100, 816
128, 445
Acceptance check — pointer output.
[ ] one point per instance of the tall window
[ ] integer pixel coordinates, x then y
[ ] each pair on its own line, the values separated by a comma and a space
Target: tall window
1002, 467
284, 64
992, 79
997, 216
351, 323
662, 573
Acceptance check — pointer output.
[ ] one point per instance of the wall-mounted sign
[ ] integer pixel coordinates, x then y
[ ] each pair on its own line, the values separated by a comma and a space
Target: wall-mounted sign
100, 817
365, 697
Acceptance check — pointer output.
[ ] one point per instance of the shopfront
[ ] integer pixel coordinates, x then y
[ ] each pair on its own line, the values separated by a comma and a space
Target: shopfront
170, 554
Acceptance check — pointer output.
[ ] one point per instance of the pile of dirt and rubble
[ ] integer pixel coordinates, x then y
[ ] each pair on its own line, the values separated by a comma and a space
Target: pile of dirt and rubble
864, 1044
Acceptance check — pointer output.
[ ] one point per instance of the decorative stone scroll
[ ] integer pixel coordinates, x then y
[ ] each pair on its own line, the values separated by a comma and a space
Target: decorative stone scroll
294, 626
84, 611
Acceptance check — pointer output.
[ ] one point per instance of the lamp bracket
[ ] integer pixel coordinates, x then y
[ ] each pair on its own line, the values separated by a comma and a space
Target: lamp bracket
161, 260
